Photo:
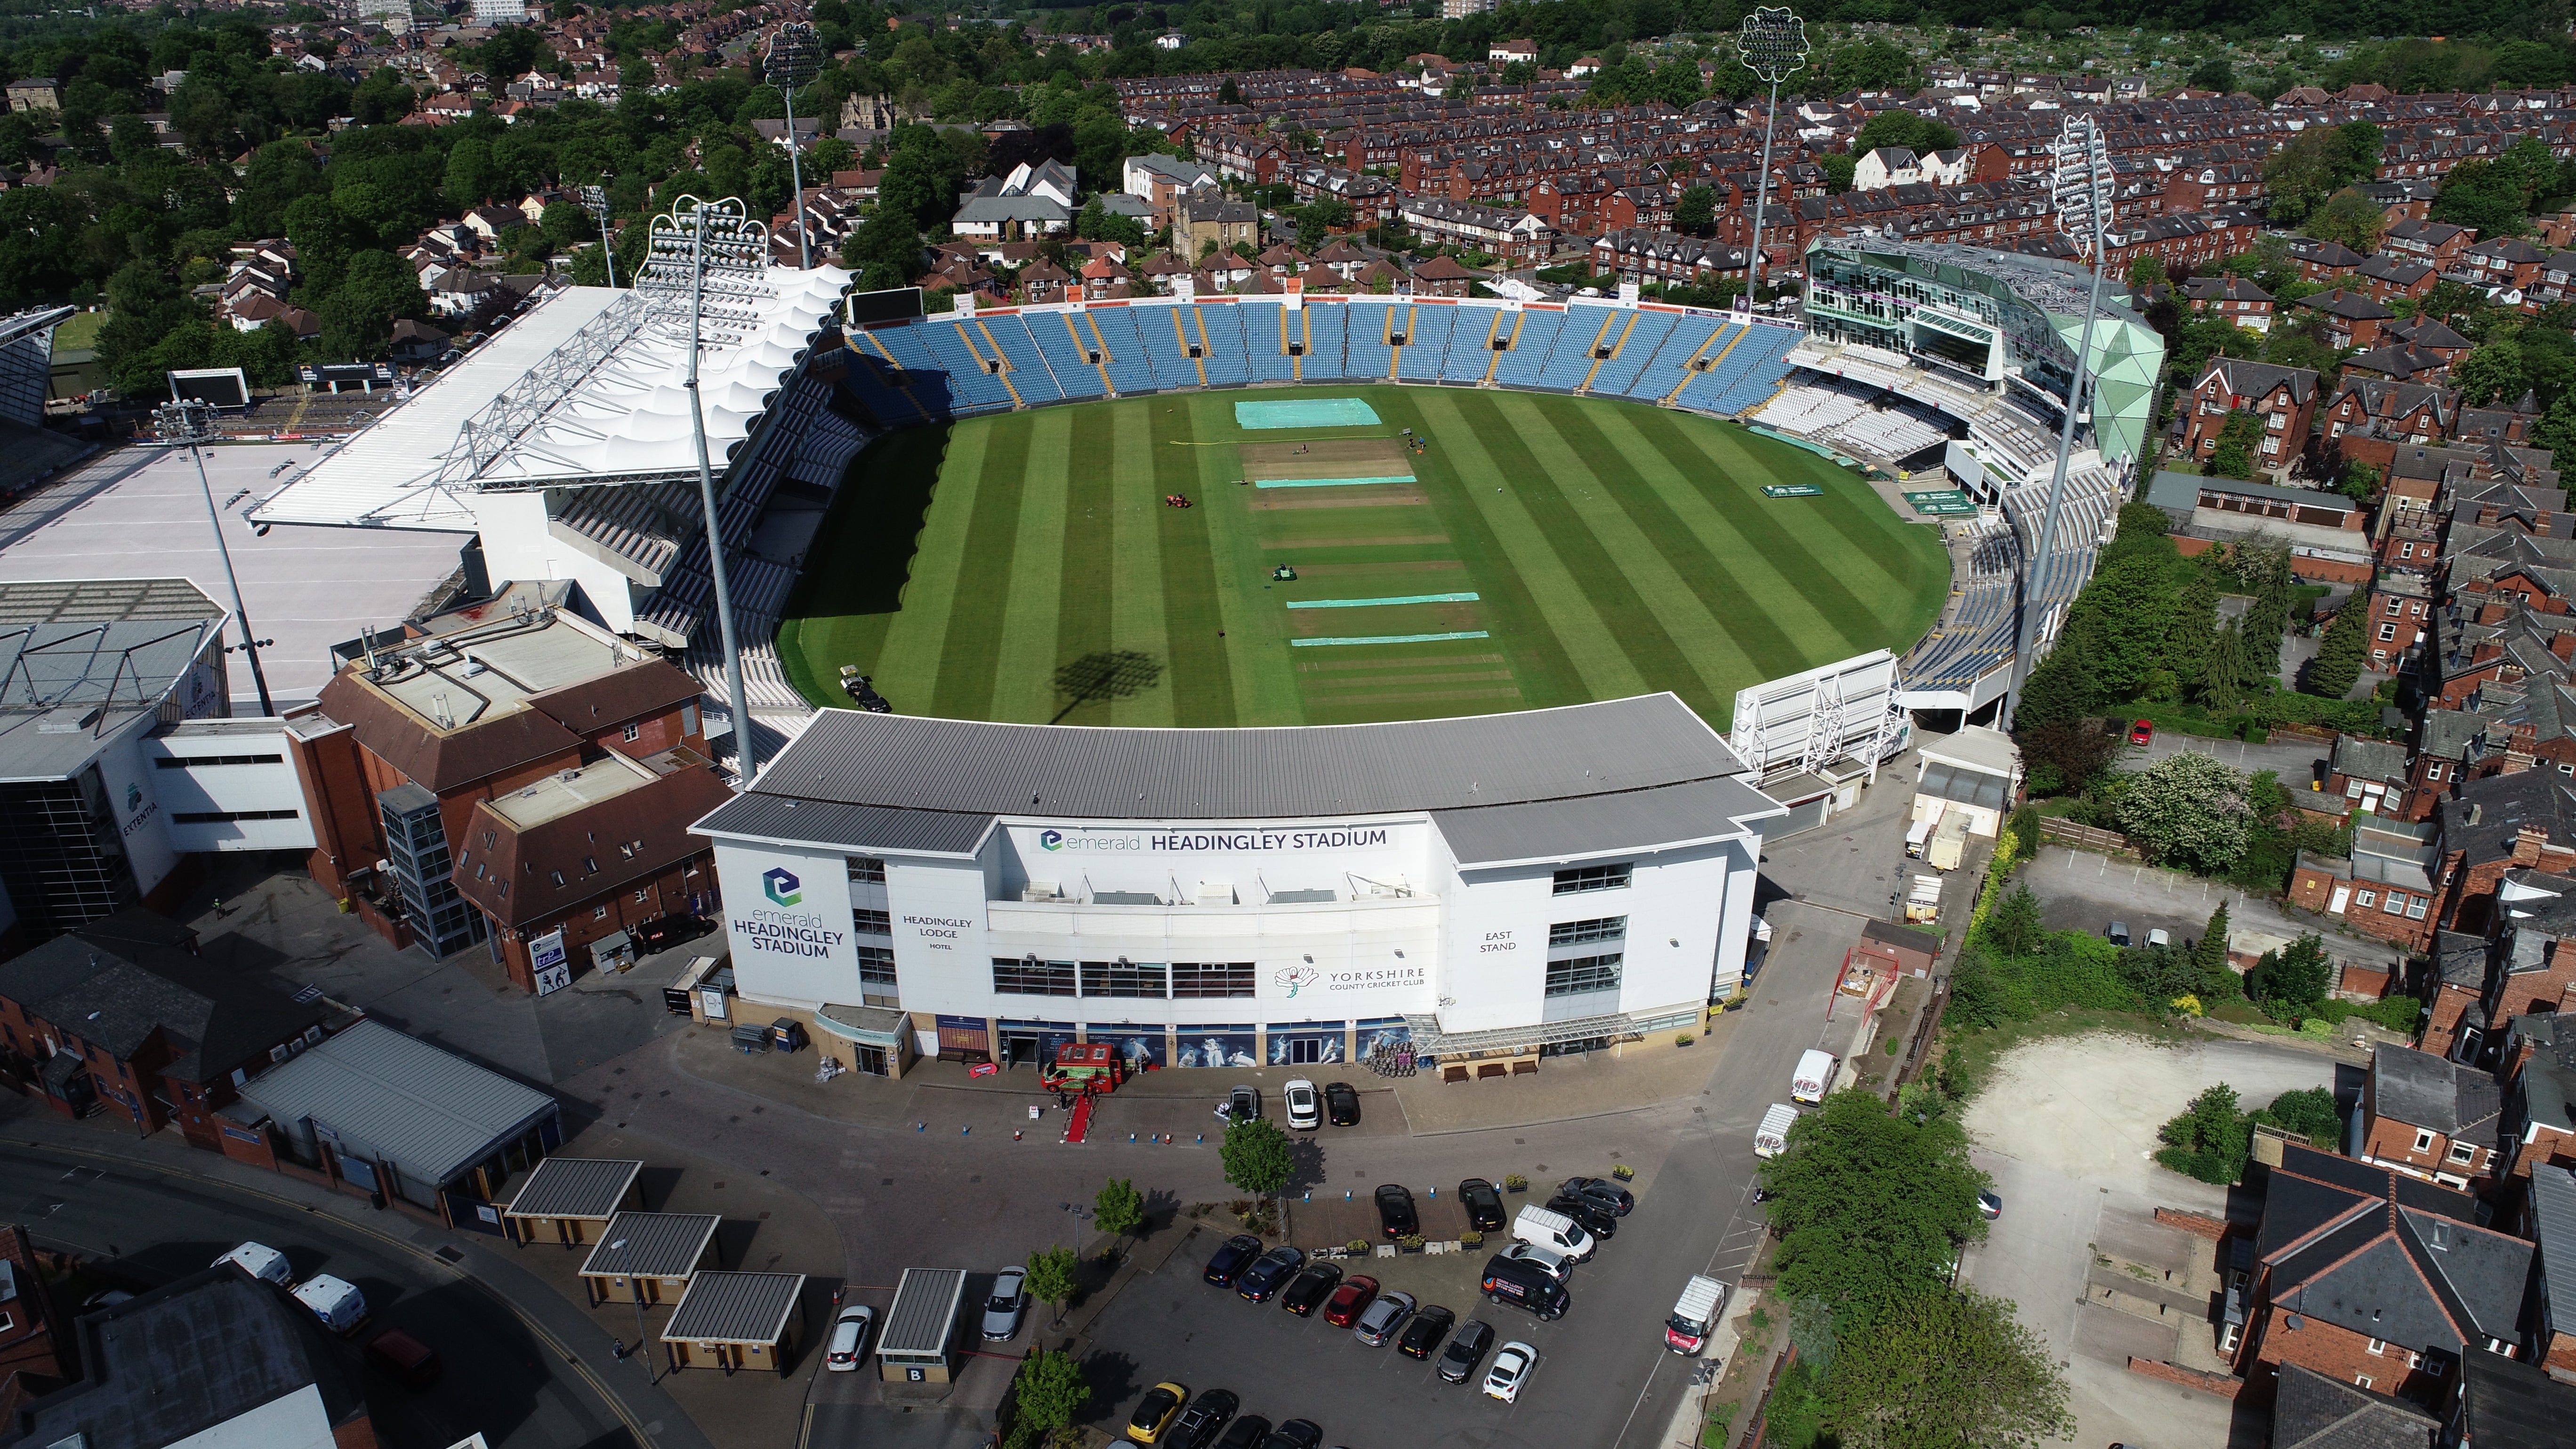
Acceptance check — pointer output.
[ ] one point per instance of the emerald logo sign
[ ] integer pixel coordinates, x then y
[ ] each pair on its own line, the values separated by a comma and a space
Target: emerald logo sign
781, 886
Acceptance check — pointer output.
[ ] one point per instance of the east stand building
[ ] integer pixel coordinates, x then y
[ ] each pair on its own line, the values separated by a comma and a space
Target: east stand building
1484, 889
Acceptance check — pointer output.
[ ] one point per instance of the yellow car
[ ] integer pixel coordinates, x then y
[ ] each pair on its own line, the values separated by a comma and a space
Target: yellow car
1161, 1406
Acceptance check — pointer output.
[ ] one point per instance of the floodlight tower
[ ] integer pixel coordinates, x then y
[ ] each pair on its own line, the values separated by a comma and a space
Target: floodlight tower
794, 58
594, 199
1772, 45
2079, 186
187, 423
693, 243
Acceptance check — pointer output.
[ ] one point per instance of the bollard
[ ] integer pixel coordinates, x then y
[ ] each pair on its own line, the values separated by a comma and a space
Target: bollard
1203, 1139
1346, 1194
1015, 1135
962, 1131
1131, 1137
920, 1126
1435, 1192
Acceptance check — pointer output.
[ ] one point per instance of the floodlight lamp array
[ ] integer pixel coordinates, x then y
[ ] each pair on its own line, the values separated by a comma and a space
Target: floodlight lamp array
2080, 182
793, 59
183, 420
1772, 43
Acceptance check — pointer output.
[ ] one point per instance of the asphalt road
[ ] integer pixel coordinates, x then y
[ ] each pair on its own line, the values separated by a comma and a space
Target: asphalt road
149, 1227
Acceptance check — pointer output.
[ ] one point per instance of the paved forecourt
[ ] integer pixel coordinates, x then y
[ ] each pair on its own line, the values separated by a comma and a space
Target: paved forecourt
1468, 552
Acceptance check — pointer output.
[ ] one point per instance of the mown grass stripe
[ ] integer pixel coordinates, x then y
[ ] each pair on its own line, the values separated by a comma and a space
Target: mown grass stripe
960, 669
1199, 671
1087, 584
1136, 614
1025, 650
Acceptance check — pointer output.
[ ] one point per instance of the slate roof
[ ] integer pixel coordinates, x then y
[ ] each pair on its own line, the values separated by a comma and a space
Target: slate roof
120, 995
2546, 1087
2423, 1090
575, 1187
2313, 1411
2508, 1404
2387, 1255
2502, 805
2366, 759
2553, 1227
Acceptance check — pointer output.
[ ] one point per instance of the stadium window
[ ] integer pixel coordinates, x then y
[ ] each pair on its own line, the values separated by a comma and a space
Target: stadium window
876, 966
1025, 977
1582, 933
1584, 974
1592, 878
1122, 978
559, 880
225, 817
590, 865
872, 923
866, 871
1210, 980
190, 762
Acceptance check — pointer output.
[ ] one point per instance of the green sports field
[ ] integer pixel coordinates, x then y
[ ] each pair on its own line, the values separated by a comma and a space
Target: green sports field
1025, 566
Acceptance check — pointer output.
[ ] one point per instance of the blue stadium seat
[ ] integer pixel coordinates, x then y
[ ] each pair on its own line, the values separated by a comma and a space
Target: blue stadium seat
1471, 343
1131, 367
1172, 364
1221, 325
1070, 361
1671, 363
1572, 359
1750, 372
1263, 348
1035, 381
1530, 346
1366, 350
1426, 351
978, 389
1328, 328
1619, 374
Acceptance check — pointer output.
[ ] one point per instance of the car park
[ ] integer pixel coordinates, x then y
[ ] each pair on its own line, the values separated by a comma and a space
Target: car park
1383, 1318
2143, 732
1154, 1415
1395, 1215
1247, 1432
1512, 1365
1268, 1273
1295, 1434
2158, 936
1589, 1212
1240, 1105
1230, 1260
1350, 1300
1617, 1199
1483, 1204
1310, 1288
1009, 1300
849, 1338
1204, 1419
1554, 1265
1421, 1337
1466, 1350
1342, 1104
1305, 1111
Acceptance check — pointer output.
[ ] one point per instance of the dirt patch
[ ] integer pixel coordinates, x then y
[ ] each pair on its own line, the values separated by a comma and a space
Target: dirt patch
1409, 661
1429, 696
1392, 619
1372, 681
1385, 540
1366, 496
1326, 458
1420, 566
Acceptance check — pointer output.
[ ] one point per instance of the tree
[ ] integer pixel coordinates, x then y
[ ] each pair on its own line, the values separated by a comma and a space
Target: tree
2266, 573
2213, 74
2341, 653
2556, 429
2308, 1112
1695, 211
2187, 810
2126, 612
2070, 751
1870, 1206
2209, 953
2303, 171
1955, 1369
2228, 674
2193, 634
1873, 65
2350, 217
1119, 1209
2015, 928
2238, 437
1255, 1155
1838, 167
2209, 1139
358, 317
2060, 690
1051, 1277
2293, 981
2491, 373
2146, 269
1919, 134
1045, 1395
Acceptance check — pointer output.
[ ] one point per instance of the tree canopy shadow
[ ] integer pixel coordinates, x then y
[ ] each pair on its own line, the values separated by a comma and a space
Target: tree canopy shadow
1105, 674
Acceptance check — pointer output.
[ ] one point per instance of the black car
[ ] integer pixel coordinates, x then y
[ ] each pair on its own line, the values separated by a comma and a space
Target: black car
1245, 1433
1611, 1194
1593, 1214
1423, 1334
1264, 1277
663, 932
1295, 1434
1204, 1419
1232, 1259
1458, 1362
1395, 1215
1484, 1205
1310, 1288
1342, 1104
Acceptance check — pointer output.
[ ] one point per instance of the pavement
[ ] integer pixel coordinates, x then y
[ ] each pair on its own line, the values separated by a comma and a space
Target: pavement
2296, 761
2067, 1128
2081, 891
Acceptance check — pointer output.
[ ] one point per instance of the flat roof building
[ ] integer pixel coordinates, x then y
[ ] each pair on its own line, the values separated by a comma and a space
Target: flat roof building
650, 1257
913, 1345
735, 1321
570, 1200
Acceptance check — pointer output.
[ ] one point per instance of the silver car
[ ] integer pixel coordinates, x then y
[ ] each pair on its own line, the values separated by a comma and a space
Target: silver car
1377, 1326
1010, 1300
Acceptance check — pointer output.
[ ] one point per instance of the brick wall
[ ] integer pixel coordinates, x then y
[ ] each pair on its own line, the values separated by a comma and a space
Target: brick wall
2340, 1353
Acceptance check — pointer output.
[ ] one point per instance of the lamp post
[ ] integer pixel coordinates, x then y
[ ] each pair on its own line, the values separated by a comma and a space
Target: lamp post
184, 422
2079, 185
1773, 45
692, 240
594, 199
793, 60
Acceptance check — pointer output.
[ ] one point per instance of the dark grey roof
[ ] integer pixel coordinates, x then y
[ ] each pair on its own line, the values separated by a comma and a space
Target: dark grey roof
2546, 1086
575, 1187
2312, 1411
651, 1245
924, 1311
184, 1358
430, 1112
2364, 759
1566, 829
2460, 958
780, 817
2508, 1404
1943, 781
2481, 1276
2553, 1228
2423, 1090
912, 762
2502, 805
734, 1308
2361, 1277
118, 994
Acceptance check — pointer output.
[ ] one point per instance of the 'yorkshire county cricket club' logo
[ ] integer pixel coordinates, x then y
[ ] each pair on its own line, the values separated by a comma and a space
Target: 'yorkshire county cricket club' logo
1295, 978
781, 885
1051, 839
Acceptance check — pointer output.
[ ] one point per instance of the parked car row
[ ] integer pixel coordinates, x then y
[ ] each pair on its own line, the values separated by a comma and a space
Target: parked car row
1356, 1302
1309, 1106
1004, 1308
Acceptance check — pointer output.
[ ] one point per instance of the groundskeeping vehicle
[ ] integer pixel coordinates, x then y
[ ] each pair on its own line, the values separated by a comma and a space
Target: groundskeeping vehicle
1695, 1316
1772, 1137
1814, 1077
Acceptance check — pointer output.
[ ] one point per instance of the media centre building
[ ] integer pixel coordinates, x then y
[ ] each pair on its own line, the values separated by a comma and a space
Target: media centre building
1482, 891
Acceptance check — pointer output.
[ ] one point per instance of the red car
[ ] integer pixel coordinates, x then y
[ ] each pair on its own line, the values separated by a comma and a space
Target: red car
1348, 1300
2143, 732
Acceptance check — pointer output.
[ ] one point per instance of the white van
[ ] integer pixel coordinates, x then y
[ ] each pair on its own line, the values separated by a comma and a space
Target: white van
1553, 1231
1814, 1078
1919, 833
1695, 1316
260, 1261
337, 1302
1772, 1137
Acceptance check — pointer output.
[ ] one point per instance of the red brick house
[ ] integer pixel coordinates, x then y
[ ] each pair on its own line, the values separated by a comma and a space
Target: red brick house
35, 1333
2430, 1117
2384, 889
2540, 1084
2282, 399
2400, 606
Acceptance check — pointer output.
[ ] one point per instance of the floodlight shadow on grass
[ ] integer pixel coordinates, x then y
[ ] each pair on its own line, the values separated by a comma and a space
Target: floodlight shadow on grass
1105, 674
